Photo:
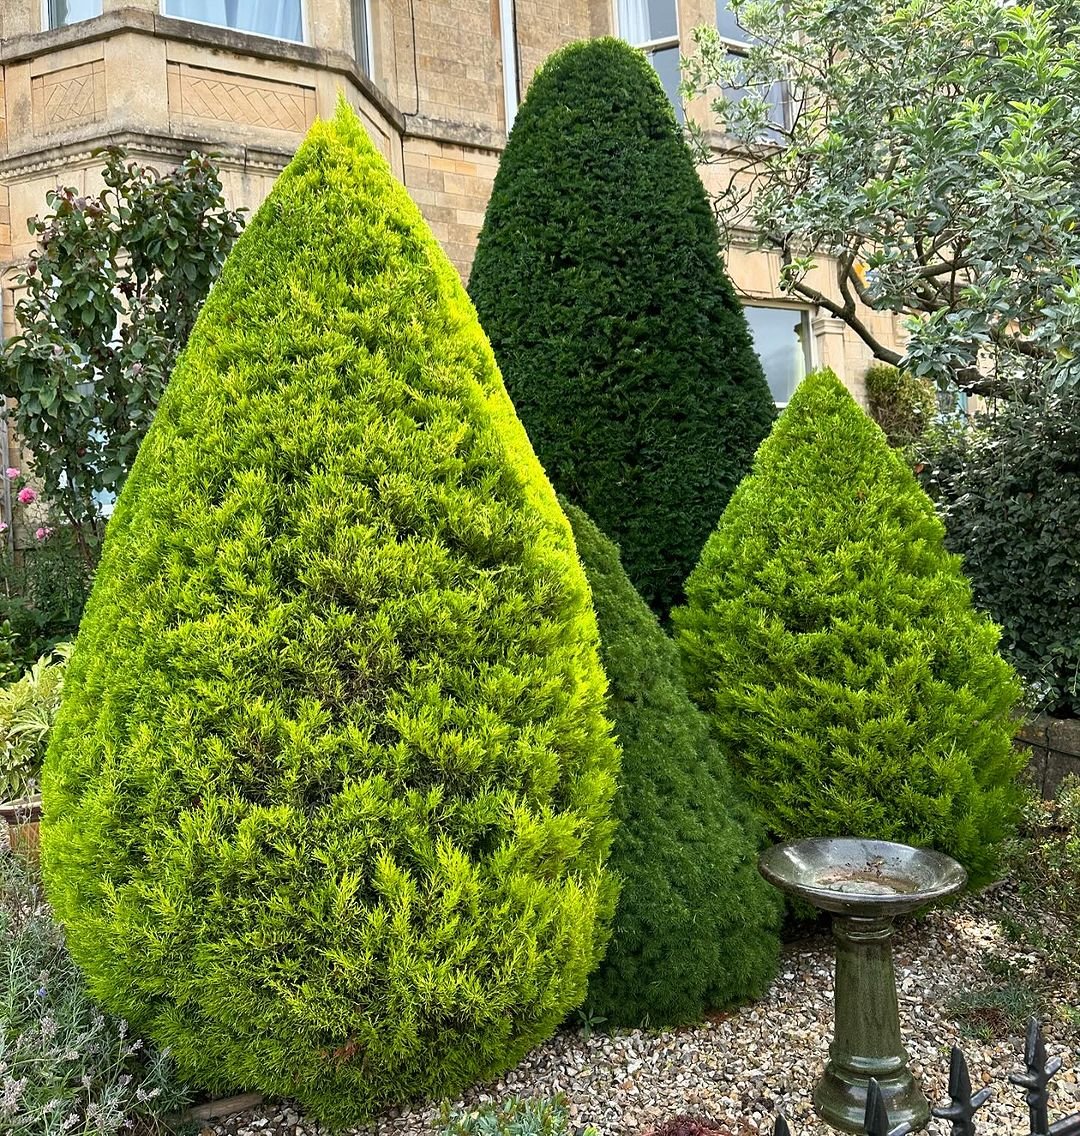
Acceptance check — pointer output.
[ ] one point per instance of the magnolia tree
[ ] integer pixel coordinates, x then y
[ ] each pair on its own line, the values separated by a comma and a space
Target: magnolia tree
927, 153
109, 299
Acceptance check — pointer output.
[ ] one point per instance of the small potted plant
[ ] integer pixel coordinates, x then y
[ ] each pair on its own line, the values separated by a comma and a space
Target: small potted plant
27, 710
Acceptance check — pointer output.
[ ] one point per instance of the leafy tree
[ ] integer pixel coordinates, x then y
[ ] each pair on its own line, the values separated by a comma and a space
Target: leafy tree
328, 798
832, 641
1008, 489
696, 925
110, 299
928, 163
599, 280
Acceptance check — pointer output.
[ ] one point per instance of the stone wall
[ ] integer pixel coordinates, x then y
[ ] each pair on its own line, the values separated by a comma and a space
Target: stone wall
1054, 744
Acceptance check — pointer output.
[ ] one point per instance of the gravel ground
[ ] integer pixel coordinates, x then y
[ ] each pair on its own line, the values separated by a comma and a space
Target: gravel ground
742, 1067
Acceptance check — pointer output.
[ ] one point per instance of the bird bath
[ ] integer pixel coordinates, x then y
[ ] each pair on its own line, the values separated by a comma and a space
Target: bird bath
864, 885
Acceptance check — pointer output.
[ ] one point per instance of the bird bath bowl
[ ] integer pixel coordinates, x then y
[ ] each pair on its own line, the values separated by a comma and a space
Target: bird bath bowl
864, 885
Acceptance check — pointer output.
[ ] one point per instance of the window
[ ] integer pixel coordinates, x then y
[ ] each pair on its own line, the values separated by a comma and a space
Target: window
653, 25
737, 42
278, 18
63, 12
782, 340
361, 26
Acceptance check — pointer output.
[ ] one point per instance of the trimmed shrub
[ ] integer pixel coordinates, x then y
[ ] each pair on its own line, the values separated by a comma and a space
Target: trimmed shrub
599, 280
696, 925
902, 404
1008, 489
832, 640
328, 797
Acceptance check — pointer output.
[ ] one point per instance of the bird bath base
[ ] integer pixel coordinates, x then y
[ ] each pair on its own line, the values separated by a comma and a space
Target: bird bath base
865, 884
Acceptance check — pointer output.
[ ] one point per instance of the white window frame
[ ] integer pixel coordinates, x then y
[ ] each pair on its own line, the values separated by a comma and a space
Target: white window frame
304, 38
741, 47
46, 17
807, 311
664, 43
367, 63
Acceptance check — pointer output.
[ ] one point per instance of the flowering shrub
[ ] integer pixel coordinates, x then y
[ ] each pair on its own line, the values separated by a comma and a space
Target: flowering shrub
65, 1066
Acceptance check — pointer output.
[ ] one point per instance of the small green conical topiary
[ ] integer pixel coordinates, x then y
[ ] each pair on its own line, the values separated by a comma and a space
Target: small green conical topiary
328, 798
832, 641
598, 278
696, 925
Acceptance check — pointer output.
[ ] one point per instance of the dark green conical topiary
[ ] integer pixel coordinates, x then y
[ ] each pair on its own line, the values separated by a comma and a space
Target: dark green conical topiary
696, 925
328, 798
599, 281
833, 642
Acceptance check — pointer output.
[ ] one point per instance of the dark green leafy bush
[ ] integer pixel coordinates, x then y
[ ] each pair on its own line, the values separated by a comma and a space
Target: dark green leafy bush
696, 925
599, 280
901, 403
65, 1067
1008, 489
328, 798
833, 642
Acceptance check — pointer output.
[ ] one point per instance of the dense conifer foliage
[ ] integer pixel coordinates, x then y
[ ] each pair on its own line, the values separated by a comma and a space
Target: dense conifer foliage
599, 280
696, 925
832, 640
328, 798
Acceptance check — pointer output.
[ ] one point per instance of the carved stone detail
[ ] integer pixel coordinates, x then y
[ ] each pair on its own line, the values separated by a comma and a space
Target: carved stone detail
69, 96
243, 100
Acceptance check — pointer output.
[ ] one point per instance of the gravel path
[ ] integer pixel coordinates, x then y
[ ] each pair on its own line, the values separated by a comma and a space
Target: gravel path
742, 1067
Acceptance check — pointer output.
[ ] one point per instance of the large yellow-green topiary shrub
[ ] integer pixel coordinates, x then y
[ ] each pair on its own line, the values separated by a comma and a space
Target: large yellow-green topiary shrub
328, 799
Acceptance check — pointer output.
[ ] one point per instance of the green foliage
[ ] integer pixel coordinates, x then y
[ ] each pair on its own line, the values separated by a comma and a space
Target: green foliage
65, 1067
43, 590
28, 709
109, 300
696, 925
955, 208
512, 1116
1008, 489
903, 405
329, 795
833, 642
598, 278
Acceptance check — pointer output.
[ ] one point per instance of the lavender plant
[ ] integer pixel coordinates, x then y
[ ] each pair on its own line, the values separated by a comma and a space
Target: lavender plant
65, 1067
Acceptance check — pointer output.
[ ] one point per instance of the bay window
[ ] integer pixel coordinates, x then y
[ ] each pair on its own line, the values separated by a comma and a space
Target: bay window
281, 19
60, 13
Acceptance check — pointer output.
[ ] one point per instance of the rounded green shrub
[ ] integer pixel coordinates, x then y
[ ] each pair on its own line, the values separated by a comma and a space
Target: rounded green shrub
832, 641
696, 925
329, 794
598, 279
904, 405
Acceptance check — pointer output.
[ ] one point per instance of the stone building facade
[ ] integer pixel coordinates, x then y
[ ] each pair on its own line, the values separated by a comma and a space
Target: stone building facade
436, 83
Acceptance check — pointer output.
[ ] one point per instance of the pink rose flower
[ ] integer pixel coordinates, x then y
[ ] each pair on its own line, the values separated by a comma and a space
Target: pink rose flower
42, 534
3, 526
11, 473
26, 495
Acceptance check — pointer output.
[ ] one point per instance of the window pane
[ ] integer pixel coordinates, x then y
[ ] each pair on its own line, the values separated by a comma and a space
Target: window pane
361, 43
62, 12
277, 18
666, 62
727, 25
775, 96
781, 339
642, 21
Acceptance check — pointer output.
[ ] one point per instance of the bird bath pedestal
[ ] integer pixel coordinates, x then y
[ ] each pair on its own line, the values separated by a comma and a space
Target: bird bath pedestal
864, 884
